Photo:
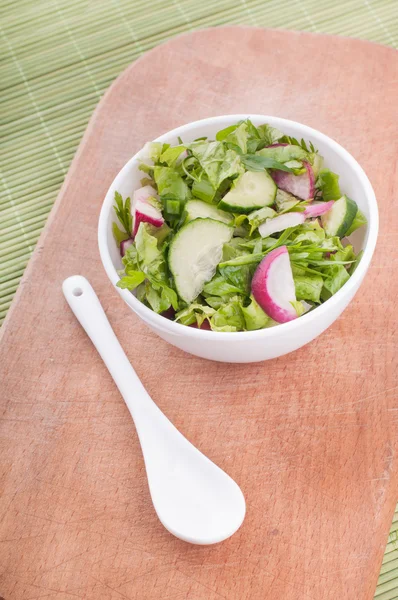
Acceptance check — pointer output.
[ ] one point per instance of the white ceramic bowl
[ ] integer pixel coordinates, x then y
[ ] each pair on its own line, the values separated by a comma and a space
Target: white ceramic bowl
250, 346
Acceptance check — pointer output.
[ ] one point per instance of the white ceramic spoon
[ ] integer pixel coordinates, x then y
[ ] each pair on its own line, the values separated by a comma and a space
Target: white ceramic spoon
194, 499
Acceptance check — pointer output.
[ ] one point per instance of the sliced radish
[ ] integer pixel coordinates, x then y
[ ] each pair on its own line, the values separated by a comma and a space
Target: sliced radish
302, 186
144, 212
144, 193
124, 245
273, 286
317, 209
280, 223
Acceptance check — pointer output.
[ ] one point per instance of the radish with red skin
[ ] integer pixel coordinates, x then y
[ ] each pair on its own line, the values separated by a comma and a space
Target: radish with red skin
144, 193
281, 223
302, 186
318, 209
273, 286
124, 245
144, 212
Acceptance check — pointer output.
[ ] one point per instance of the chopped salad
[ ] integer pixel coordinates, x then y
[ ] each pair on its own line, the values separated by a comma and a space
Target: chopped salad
238, 233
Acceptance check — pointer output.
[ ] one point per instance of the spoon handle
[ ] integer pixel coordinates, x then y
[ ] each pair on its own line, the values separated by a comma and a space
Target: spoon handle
86, 307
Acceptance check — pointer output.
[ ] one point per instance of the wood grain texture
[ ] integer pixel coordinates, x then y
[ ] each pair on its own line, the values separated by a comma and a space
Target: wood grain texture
311, 438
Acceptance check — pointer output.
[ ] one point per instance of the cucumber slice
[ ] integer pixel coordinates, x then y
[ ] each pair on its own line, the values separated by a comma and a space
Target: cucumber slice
196, 209
195, 253
339, 218
254, 190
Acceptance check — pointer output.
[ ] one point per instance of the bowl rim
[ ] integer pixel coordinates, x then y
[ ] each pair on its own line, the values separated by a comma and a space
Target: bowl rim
160, 322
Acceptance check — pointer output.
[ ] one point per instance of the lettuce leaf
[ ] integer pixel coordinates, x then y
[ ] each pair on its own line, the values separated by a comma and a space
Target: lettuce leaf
328, 183
284, 154
171, 155
285, 202
337, 276
345, 253
218, 162
234, 248
160, 297
268, 135
313, 226
147, 247
224, 133
296, 166
249, 138
218, 286
195, 312
238, 276
169, 182
298, 307
217, 301
255, 317
145, 260
228, 318
130, 259
238, 137
173, 192
151, 151
358, 221
131, 280
308, 287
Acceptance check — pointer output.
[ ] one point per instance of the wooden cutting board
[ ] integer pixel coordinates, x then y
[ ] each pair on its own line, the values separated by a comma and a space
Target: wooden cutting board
311, 438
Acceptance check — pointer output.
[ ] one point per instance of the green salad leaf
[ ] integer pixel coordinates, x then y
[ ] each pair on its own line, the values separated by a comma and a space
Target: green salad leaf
195, 312
118, 234
131, 280
169, 182
358, 221
123, 213
308, 286
219, 286
255, 162
238, 138
255, 317
302, 143
328, 184
228, 317
336, 277
171, 155
218, 162
283, 154
268, 135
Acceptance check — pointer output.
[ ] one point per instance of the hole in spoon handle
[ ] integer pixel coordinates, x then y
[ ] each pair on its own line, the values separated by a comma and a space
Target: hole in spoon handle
87, 308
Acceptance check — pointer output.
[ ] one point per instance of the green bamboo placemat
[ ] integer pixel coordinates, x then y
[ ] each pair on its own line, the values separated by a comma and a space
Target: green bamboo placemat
57, 59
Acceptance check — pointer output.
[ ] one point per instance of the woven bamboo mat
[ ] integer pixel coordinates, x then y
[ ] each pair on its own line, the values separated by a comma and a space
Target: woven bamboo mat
57, 59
